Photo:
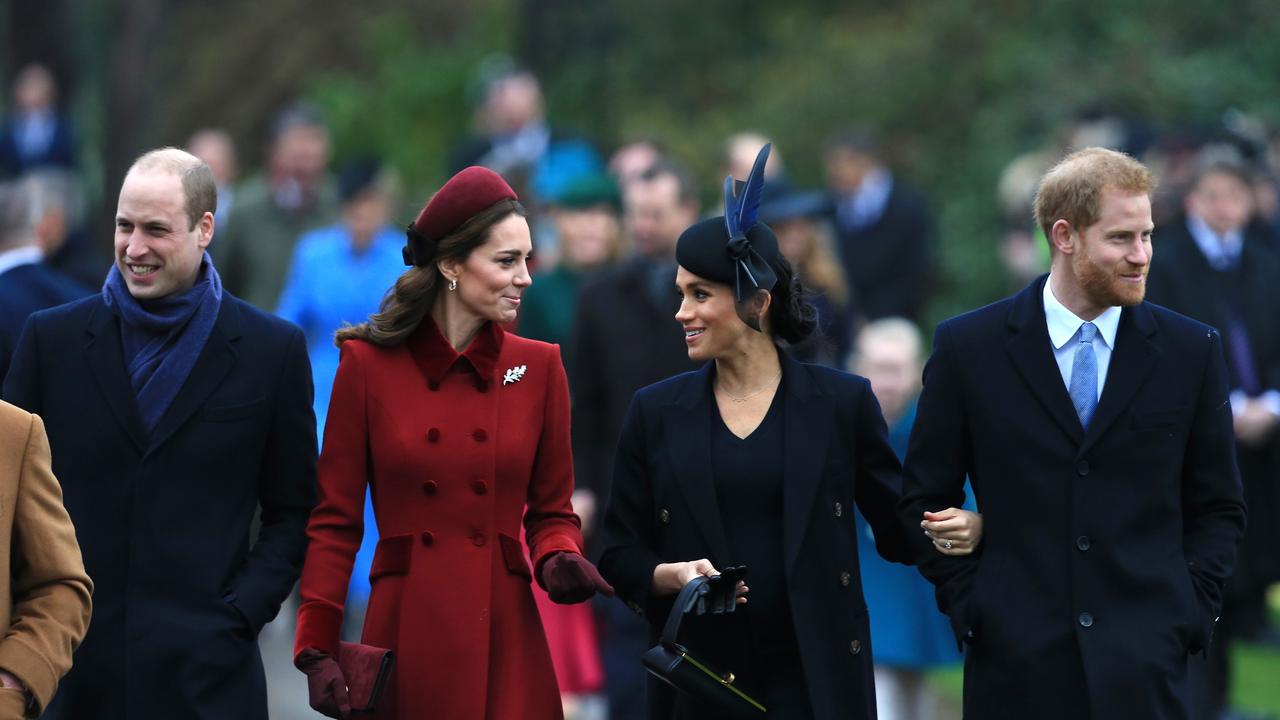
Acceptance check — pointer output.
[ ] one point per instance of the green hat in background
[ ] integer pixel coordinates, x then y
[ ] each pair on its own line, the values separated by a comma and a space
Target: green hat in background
590, 190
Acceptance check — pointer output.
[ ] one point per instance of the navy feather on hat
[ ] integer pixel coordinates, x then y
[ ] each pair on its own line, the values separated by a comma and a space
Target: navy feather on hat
734, 249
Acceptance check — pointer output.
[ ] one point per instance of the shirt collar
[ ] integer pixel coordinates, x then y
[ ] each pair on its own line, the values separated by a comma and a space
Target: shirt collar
1064, 324
28, 255
1220, 250
435, 357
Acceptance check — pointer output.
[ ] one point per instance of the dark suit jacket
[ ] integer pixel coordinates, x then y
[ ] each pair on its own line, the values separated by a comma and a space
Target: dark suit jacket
1182, 280
890, 262
25, 289
622, 342
164, 521
1105, 552
664, 509
60, 153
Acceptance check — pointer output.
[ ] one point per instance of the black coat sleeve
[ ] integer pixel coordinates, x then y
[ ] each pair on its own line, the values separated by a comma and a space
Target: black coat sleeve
630, 554
286, 494
590, 391
878, 482
22, 381
1213, 512
938, 459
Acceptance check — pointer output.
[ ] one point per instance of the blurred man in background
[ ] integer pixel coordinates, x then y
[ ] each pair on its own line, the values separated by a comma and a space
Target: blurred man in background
293, 195
216, 148
884, 232
35, 135
27, 282
1215, 267
626, 337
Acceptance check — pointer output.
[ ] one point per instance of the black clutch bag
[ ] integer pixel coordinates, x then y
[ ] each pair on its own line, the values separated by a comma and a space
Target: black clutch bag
367, 670
672, 663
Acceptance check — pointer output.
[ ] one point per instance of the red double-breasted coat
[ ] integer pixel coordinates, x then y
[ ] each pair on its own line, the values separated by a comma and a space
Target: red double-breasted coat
453, 447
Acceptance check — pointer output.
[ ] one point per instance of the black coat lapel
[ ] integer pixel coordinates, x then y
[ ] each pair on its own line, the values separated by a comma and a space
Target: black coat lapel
1131, 360
809, 423
105, 355
690, 446
1032, 354
215, 361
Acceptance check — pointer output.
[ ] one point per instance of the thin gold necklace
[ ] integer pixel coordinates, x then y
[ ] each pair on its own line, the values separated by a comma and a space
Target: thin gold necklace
747, 397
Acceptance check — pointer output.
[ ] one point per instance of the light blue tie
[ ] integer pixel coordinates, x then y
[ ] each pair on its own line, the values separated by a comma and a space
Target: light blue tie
1084, 376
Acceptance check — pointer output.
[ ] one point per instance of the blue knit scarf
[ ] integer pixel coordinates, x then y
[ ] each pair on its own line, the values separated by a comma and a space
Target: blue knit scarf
162, 338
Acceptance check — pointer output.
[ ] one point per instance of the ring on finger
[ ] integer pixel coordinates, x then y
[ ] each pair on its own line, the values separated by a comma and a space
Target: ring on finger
946, 544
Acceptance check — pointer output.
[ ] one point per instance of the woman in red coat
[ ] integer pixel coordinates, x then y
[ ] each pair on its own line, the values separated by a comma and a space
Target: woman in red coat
457, 427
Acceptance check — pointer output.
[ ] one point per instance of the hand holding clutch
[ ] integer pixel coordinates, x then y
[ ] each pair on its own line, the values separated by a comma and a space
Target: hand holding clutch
325, 683
570, 578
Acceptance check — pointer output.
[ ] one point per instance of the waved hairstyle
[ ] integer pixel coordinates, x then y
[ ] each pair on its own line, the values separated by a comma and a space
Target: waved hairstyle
412, 297
1072, 190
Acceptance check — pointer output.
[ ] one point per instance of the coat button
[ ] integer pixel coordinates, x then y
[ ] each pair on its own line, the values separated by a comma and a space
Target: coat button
665, 516
478, 539
855, 647
429, 487
1082, 468
428, 538
433, 435
479, 487
839, 509
433, 385
480, 435
482, 386
1086, 620
1083, 543
845, 579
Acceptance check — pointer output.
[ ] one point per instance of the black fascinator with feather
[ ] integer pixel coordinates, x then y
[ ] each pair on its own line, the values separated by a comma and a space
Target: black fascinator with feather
735, 249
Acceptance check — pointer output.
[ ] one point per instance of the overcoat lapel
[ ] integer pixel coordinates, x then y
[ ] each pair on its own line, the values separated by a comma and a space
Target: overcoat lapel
1132, 358
809, 419
690, 447
215, 361
105, 355
1032, 355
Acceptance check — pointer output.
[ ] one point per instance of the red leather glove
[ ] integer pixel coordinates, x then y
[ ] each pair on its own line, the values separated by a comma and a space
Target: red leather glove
325, 683
569, 578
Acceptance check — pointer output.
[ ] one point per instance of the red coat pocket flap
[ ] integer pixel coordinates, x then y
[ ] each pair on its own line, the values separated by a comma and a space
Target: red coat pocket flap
513, 556
391, 557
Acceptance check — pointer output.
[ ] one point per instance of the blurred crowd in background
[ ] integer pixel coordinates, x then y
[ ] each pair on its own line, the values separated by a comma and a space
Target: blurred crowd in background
318, 242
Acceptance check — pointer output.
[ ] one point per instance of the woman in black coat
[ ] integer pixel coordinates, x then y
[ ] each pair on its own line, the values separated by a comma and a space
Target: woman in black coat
757, 460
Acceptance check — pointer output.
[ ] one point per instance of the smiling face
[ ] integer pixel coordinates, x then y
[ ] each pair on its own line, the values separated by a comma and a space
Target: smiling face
1108, 261
156, 248
495, 274
709, 316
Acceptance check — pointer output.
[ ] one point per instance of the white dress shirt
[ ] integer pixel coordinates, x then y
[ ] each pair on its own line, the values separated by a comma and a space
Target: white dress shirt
1064, 335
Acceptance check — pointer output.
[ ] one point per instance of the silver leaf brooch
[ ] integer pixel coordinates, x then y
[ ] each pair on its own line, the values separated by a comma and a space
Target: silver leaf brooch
514, 374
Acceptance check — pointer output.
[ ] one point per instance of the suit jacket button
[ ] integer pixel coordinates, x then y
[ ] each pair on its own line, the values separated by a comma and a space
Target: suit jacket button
855, 647
845, 579
480, 435
429, 487
839, 510
665, 516
1082, 468
428, 538
478, 539
1083, 543
1086, 620
479, 487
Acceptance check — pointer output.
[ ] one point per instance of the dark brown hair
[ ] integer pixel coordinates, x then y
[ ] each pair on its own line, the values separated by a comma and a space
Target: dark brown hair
415, 291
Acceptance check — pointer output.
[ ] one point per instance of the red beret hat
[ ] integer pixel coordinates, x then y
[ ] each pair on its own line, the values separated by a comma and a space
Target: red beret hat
473, 189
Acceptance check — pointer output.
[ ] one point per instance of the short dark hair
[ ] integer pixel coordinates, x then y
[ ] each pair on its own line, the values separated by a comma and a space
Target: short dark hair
665, 167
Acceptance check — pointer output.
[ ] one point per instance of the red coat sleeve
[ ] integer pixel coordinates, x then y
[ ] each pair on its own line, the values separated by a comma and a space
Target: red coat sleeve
551, 526
337, 522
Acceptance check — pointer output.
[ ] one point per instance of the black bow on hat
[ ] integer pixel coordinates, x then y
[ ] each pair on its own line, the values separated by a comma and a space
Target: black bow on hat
741, 207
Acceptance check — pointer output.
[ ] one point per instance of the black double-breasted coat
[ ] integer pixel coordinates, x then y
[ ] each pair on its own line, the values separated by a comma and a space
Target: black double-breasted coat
664, 509
164, 518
